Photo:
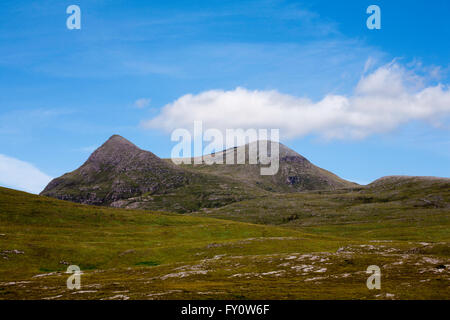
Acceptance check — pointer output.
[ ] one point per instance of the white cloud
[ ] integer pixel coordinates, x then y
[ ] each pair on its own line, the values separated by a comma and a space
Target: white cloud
142, 103
382, 100
370, 63
21, 175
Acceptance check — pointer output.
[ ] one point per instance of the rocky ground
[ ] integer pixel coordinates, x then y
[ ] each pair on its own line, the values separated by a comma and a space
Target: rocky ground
407, 272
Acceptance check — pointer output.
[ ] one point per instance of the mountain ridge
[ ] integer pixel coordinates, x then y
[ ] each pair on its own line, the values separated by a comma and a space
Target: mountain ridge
296, 173
120, 174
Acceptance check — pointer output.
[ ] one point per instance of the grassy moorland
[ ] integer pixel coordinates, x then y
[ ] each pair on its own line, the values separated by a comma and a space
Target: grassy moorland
392, 208
319, 250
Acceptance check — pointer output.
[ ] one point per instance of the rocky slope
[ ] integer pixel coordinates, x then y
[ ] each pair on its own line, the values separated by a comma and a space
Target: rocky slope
120, 174
117, 170
296, 173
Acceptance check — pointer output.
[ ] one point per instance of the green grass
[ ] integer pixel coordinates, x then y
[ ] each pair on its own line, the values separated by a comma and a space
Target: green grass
280, 251
49, 231
148, 263
417, 211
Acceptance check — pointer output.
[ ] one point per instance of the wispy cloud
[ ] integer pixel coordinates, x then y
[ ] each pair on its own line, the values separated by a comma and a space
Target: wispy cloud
382, 100
22, 175
142, 103
27, 121
163, 44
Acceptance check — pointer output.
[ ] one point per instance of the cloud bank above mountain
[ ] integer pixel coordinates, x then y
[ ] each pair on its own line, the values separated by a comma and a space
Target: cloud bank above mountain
381, 101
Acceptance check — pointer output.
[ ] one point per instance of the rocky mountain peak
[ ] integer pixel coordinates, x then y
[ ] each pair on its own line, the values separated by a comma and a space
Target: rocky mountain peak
117, 170
116, 151
116, 140
116, 144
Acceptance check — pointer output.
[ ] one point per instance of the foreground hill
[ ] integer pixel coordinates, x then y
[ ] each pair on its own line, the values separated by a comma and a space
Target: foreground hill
135, 254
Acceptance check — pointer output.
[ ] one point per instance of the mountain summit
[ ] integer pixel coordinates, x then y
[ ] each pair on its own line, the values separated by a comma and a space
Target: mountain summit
116, 170
120, 155
296, 173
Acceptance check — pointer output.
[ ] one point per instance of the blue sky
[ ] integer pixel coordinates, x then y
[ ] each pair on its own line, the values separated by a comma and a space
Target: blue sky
64, 92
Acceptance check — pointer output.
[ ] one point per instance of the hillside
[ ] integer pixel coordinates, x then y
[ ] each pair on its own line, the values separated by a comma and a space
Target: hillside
135, 254
389, 208
119, 174
117, 170
295, 172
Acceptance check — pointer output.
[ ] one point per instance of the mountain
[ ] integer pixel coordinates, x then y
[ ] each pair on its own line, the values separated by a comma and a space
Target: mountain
120, 174
296, 173
117, 170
